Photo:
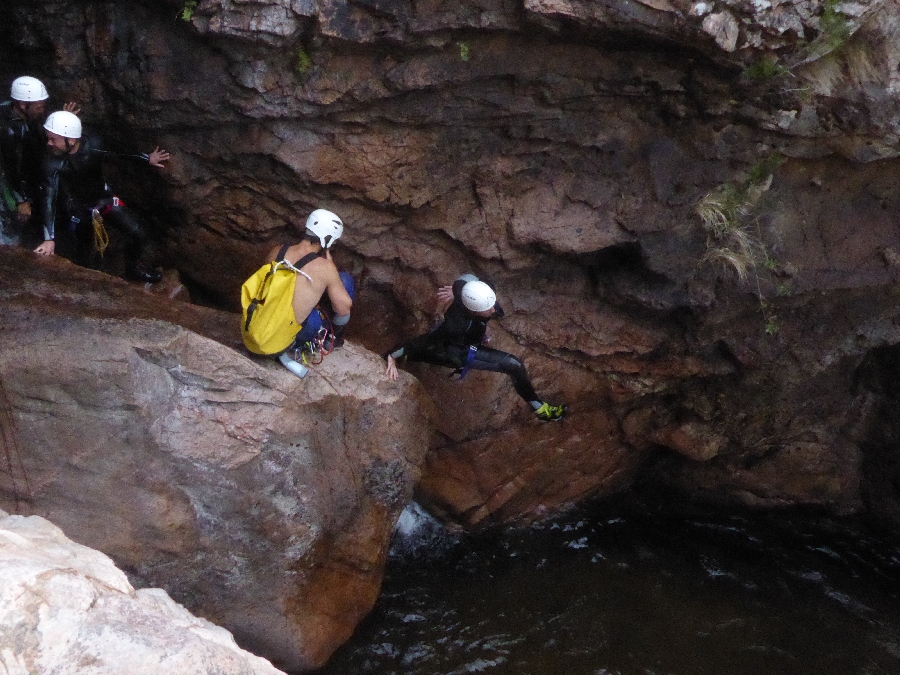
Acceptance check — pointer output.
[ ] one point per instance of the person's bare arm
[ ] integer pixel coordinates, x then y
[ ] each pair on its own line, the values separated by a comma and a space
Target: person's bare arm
391, 371
341, 302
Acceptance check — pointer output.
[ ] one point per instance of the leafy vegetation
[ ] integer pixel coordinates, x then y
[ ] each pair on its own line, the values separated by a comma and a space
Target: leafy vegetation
464, 51
187, 10
764, 69
834, 26
302, 61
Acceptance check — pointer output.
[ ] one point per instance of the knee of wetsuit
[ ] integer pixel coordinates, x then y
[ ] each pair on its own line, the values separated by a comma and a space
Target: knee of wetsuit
510, 364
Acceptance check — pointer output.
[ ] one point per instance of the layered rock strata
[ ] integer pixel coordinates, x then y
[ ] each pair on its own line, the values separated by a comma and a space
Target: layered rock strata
688, 208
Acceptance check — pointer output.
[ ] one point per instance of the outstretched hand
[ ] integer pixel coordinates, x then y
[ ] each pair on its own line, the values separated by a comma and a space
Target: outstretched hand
391, 371
72, 107
157, 157
445, 298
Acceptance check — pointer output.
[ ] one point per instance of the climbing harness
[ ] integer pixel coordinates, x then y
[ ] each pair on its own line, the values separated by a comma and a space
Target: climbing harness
470, 356
313, 352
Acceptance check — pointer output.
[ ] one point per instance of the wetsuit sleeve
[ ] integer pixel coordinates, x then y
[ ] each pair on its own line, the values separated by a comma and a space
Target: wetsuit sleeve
413, 349
117, 156
6, 192
50, 190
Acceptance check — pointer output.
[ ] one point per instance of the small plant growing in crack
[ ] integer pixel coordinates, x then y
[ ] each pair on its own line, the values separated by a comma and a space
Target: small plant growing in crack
187, 10
302, 61
733, 237
766, 68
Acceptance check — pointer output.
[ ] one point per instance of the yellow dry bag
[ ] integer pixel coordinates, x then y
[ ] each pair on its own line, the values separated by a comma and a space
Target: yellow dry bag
268, 325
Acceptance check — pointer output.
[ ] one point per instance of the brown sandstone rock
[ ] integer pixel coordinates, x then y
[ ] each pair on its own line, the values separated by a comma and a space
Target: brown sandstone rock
559, 147
260, 501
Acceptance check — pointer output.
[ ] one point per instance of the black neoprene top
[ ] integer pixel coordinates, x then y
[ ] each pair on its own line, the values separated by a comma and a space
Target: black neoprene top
77, 178
460, 328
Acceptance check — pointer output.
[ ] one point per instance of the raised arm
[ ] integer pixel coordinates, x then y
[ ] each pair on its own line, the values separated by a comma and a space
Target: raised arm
341, 302
158, 158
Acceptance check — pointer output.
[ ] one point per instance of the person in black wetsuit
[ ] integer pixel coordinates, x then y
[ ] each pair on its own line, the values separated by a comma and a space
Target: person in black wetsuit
21, 148
75, 194
458, 342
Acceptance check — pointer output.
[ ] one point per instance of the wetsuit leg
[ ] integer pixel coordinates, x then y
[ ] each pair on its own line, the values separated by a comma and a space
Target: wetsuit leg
74, 238
135, 235
10, 231
501, 362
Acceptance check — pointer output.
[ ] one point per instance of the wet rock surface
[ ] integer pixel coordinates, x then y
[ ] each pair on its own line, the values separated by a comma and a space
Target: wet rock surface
257, 500
561, 149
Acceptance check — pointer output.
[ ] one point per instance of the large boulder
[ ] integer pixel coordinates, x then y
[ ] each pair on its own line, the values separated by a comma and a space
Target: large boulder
67, 609
260, 501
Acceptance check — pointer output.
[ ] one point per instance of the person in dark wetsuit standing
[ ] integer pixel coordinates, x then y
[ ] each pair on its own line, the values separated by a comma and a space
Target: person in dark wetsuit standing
75, 194
21, 148
458, 342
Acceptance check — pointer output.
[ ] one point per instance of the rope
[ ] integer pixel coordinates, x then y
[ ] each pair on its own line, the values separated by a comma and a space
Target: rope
101, 236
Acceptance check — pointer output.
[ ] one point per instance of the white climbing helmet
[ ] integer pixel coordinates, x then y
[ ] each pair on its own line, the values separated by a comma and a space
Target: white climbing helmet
64, 123
325, 225
28, 89
477, 296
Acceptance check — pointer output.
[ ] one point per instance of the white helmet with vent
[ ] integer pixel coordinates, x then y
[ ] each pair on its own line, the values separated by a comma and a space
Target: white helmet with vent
28, 89
325, 225
477, 296
64, 123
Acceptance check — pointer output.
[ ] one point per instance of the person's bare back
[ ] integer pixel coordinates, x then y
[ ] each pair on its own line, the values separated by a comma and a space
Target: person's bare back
318, 277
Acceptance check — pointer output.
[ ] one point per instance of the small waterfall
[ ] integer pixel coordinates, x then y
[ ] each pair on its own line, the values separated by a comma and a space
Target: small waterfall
418, 534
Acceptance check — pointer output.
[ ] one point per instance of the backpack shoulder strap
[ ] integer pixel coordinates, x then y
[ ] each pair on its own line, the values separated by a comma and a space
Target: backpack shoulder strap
308, 258
282, 252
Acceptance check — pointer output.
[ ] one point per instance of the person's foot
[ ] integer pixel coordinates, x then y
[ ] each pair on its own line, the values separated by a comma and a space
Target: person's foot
550, 413
332, 342
145, 274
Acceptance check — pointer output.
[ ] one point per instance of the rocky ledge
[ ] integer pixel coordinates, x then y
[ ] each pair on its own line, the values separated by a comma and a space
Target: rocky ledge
259, 501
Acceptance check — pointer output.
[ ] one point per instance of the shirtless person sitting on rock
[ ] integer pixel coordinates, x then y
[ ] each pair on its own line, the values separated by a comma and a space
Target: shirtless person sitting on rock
318, 279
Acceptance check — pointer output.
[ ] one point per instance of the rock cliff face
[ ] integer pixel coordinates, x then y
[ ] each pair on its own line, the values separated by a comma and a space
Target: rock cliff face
688, 208
259, 501
66, 609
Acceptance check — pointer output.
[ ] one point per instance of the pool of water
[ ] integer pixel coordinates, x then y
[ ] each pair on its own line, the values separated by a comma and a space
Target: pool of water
639, 587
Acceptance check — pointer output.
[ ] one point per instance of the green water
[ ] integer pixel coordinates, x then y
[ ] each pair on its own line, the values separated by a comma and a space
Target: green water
639, 587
